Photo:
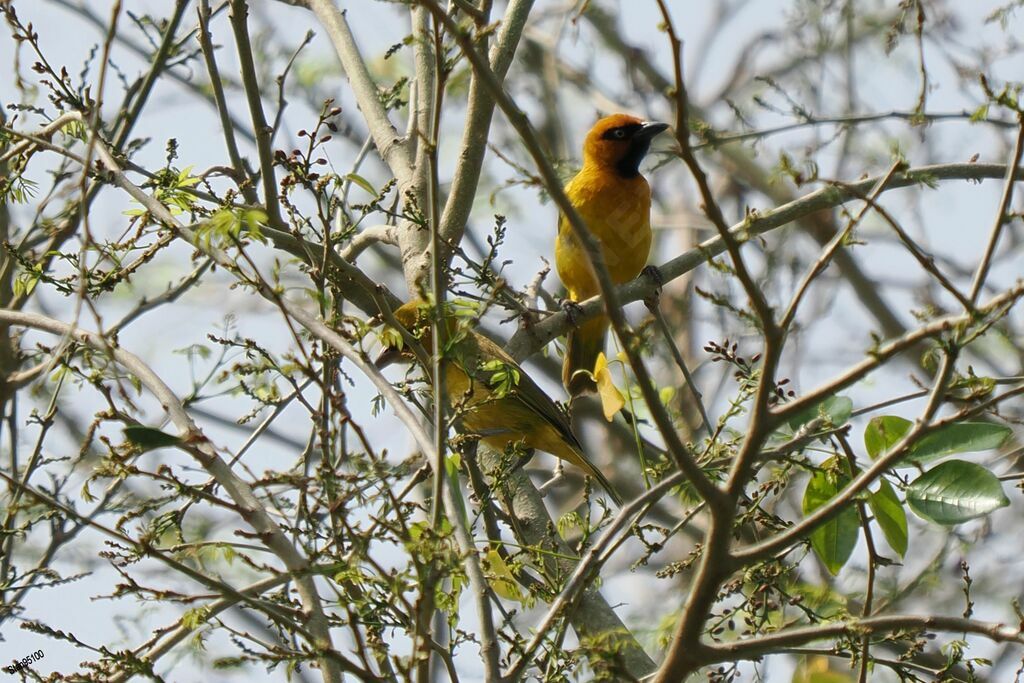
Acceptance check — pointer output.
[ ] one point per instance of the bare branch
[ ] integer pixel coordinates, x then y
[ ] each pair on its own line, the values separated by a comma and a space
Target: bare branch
527, 340
756, 647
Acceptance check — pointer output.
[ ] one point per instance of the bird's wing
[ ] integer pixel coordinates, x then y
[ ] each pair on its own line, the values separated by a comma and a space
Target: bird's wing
526, 389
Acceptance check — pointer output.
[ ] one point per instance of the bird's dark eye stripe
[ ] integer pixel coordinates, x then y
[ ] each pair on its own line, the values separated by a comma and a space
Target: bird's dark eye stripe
622, 132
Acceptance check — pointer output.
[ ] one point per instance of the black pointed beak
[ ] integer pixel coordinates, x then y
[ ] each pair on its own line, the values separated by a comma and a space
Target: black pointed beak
651, 128
388, 355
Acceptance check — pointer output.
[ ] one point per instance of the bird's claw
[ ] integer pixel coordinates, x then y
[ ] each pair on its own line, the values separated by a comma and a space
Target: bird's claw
573, 311
655, 276
654, 273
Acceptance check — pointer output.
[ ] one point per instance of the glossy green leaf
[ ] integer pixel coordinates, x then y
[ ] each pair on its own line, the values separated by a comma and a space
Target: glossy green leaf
884, 432
835, 540
954, 492
835, 409
960, 437
890, 516
149, 438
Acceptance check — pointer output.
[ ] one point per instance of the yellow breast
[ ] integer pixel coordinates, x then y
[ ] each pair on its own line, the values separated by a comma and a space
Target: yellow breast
617, 211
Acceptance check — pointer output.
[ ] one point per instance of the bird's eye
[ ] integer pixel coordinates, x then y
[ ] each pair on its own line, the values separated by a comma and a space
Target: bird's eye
619, 133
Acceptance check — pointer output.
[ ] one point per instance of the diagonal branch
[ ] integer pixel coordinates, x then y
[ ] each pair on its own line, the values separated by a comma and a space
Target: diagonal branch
479, 114
528, 340
1001, 214
394, 150
264, 133
878, 356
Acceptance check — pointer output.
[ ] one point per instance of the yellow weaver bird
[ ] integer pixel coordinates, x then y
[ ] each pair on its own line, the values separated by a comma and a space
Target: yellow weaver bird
495, 398
614, 201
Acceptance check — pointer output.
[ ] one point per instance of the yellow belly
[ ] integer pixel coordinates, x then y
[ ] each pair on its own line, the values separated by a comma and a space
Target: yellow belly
617, 211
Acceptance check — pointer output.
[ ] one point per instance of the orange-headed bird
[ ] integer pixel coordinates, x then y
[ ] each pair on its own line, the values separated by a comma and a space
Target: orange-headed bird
614, 201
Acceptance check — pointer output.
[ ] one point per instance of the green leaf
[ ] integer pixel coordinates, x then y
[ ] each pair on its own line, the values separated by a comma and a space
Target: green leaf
954, 492
361, 182
960, 437
195, 617
253, 219
503, 378
185, 178
149, 438
891, 517
835, 409
884, 432
835, 540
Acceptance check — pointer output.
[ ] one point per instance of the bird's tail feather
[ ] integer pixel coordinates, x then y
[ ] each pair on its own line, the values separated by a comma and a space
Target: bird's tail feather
582, 346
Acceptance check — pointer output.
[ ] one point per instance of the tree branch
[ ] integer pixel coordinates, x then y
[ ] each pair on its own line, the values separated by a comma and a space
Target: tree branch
393, 149
758, 647
479, 114
527, 340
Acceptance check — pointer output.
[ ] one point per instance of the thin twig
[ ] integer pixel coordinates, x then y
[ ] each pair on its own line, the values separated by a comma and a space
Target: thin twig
677, 355
1001, 215
392, 148
837, 241
239, 26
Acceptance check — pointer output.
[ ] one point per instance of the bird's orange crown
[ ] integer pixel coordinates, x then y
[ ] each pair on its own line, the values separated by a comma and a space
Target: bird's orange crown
620, 142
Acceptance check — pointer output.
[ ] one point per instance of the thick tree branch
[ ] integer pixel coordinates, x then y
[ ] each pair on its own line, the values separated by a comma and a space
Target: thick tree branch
479, 114
264, 133
528, 340
758, 647
394, 150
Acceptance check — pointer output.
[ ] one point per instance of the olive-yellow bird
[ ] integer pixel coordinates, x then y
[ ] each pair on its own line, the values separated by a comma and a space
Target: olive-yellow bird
494, 397
614, 201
